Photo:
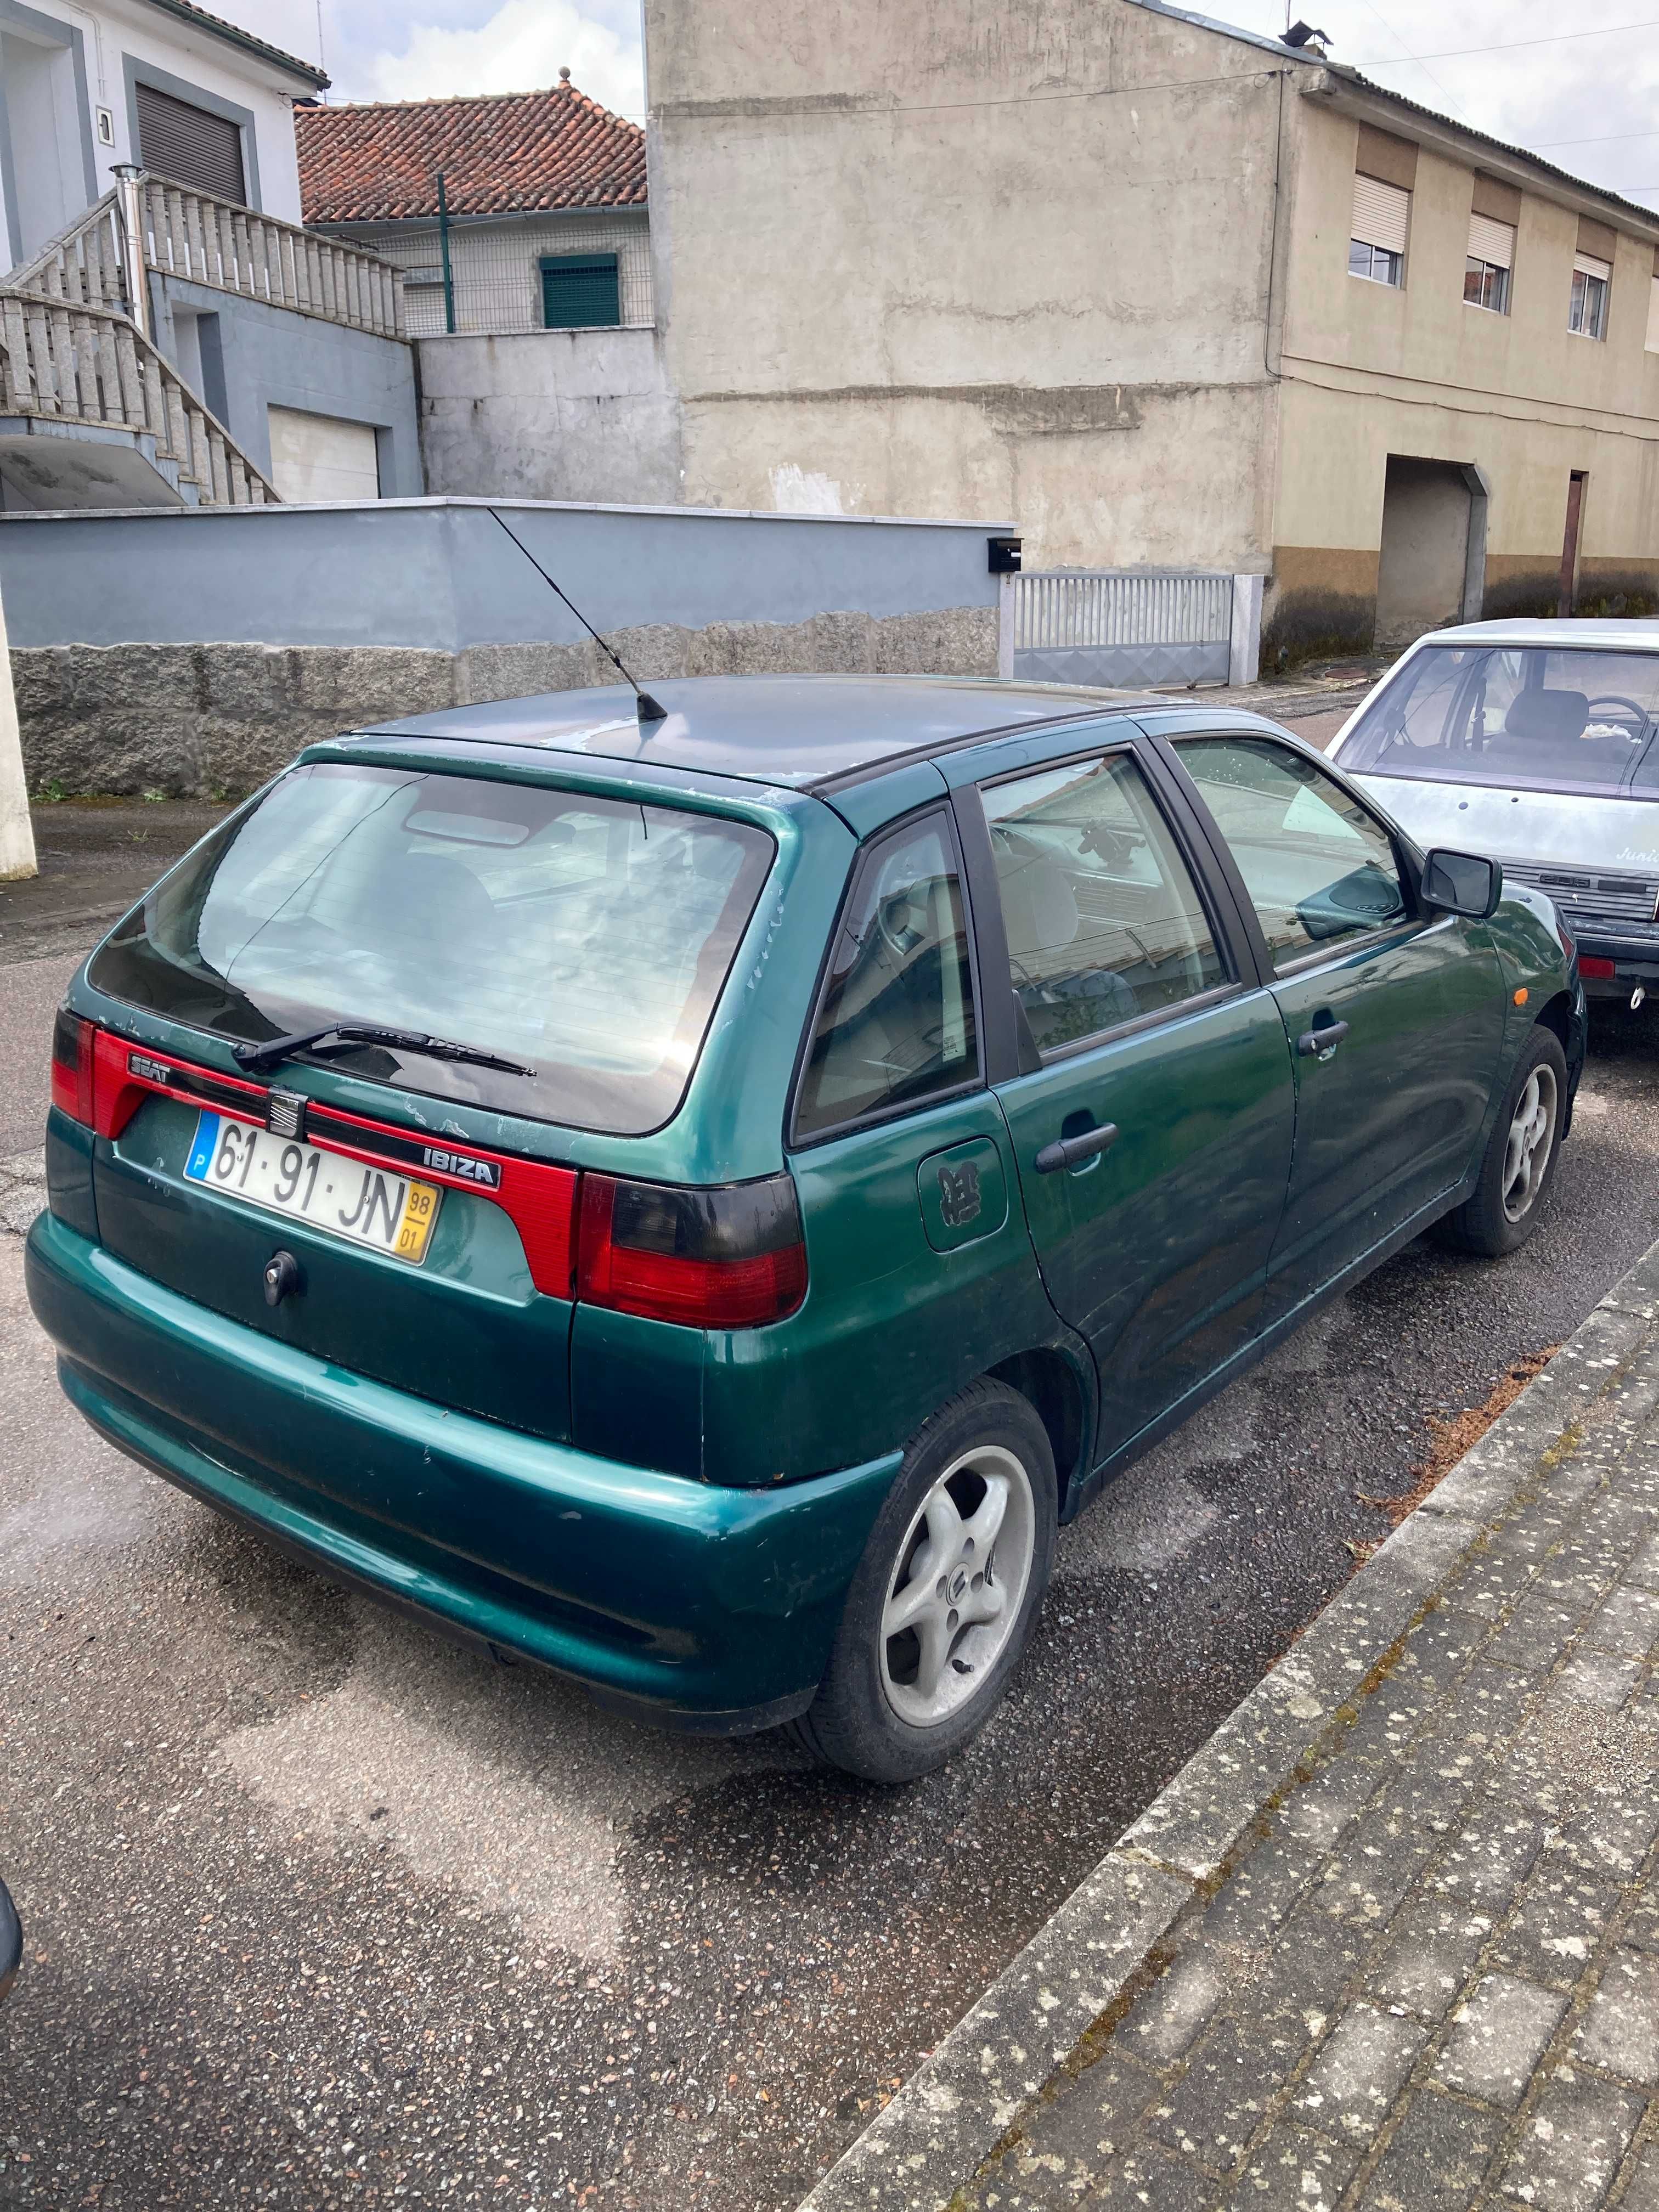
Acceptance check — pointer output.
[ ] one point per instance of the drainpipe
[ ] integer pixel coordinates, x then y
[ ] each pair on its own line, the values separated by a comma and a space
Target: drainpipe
126, 175
443, 248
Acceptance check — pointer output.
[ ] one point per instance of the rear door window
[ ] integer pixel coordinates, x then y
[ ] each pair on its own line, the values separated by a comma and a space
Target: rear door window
586, 938
1103, 920
895, 1024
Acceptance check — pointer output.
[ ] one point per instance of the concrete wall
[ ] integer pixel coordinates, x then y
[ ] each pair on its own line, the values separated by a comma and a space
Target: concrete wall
270, 357
942, 257
1371, 371
197, 652
584, 415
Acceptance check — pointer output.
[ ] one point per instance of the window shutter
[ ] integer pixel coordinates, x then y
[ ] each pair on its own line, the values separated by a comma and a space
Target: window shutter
580, 289
188, 146
1491, 241
1380, 214
1653, 317
1587, 265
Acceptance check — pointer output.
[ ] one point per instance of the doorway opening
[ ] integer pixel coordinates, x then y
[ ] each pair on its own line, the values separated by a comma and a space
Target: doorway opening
1431, 569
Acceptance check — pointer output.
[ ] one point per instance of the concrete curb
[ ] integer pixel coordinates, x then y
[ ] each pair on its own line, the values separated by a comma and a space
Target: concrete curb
1050, 2009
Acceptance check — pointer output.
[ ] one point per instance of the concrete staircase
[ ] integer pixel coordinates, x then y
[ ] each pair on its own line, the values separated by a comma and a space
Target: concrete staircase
91, 414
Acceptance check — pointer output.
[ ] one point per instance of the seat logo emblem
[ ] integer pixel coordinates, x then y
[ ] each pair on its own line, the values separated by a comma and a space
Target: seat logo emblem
285, 1113
959, 1200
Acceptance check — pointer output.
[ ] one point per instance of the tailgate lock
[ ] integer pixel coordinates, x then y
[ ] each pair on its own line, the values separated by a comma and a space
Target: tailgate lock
282, 1278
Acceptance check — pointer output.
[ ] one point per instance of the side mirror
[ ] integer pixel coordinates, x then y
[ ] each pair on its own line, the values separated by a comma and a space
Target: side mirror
1462, 883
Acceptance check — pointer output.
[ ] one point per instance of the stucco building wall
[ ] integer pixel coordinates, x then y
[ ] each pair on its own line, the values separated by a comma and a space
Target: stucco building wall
1370, 371
924, 260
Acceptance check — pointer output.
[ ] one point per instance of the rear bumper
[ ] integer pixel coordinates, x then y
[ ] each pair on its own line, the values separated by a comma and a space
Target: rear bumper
1635, 961
708, 1607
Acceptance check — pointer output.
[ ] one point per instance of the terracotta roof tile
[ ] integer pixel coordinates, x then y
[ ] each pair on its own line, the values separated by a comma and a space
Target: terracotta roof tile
377, 162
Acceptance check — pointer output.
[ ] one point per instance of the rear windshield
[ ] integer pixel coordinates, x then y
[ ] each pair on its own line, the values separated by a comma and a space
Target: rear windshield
586, 938
1552, 719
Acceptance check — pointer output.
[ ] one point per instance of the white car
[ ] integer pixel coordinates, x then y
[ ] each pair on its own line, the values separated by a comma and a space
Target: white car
1533, 742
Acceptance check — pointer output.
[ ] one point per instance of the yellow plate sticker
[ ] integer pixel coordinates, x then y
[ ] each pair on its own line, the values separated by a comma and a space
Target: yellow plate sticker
420, 1212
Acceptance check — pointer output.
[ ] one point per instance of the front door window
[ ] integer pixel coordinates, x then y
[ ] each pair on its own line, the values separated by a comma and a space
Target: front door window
1318, 869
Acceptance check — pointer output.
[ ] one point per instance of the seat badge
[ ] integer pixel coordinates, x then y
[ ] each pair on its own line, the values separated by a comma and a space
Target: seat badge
285, 1113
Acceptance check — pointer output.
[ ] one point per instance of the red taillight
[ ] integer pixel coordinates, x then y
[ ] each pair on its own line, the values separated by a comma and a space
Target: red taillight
73, 1061
90, 1080
1592, 963
730, 1257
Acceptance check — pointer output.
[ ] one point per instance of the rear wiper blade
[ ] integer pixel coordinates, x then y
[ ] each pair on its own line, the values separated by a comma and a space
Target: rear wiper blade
260, 1059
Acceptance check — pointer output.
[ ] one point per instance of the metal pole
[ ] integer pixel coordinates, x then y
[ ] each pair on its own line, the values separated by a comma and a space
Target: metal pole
126, 175
443, 248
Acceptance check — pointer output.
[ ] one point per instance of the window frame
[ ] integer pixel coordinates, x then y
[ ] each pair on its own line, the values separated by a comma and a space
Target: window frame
1394, 282
1599, 333
1029, 1058
1472, 264
587, 259
1408, 861
868, 857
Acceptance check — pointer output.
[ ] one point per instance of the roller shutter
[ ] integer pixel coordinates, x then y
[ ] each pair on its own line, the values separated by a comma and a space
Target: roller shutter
1492, 242
1589, 264
1381, 212
190, 146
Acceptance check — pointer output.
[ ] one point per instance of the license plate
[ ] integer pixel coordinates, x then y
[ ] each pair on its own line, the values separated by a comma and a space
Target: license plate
369, 1206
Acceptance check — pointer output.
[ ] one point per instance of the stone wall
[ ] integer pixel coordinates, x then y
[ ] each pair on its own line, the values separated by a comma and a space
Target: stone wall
214, 720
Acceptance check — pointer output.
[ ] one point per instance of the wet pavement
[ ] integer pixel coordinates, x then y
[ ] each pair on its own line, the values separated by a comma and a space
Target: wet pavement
320, 1910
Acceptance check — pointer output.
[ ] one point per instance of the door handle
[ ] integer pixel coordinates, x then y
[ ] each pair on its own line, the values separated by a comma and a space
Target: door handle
1314, 1044
1066, 1152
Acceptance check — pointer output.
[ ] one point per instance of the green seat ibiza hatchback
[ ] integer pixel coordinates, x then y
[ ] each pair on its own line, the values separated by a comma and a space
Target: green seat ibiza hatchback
697, 1201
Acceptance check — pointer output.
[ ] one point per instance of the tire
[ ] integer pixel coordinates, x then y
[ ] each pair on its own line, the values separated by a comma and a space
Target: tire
895, 1705
1517, 1170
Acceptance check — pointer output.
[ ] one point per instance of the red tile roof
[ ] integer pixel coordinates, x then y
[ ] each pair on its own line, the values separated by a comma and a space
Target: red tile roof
498, 153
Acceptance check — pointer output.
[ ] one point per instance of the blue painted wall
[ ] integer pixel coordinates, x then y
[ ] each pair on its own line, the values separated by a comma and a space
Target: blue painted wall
442, 572
272, 356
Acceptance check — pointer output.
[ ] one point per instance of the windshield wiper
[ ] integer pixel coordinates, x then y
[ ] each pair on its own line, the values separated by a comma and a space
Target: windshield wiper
260, 1059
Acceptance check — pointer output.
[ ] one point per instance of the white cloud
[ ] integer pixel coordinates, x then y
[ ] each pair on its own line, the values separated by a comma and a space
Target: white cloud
523, 46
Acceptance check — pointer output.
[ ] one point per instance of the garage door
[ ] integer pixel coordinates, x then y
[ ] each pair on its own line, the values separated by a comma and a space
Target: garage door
319, 457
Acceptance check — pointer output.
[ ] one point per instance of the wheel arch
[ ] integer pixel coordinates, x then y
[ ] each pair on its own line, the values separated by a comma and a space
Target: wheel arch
1050, 1382
1555, 1015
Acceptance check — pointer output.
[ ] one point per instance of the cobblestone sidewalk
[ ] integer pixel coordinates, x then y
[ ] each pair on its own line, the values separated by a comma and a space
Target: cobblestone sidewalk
1390, 1943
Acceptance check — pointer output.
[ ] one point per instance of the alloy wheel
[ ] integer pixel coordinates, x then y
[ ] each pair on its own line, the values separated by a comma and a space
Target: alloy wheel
1532, 1134
958, 1586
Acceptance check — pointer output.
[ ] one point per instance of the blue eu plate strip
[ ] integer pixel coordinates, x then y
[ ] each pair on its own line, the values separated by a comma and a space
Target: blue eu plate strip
203, 1145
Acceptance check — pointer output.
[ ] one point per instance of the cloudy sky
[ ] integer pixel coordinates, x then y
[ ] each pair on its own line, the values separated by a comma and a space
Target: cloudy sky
1588, 102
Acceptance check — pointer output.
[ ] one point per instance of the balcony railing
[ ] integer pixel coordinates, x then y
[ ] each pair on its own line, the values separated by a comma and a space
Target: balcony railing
191, 235
69, 363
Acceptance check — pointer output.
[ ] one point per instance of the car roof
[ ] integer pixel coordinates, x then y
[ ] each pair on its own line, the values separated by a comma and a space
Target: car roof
801, 732
1635, 636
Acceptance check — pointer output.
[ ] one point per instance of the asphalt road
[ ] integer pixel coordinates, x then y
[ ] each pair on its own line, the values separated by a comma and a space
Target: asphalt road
321, 1911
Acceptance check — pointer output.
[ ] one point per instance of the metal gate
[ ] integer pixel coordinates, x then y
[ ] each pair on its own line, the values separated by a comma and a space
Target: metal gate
1122, 627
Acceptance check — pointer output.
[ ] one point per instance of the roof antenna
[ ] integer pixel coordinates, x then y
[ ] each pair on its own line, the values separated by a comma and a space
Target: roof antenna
647, 707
